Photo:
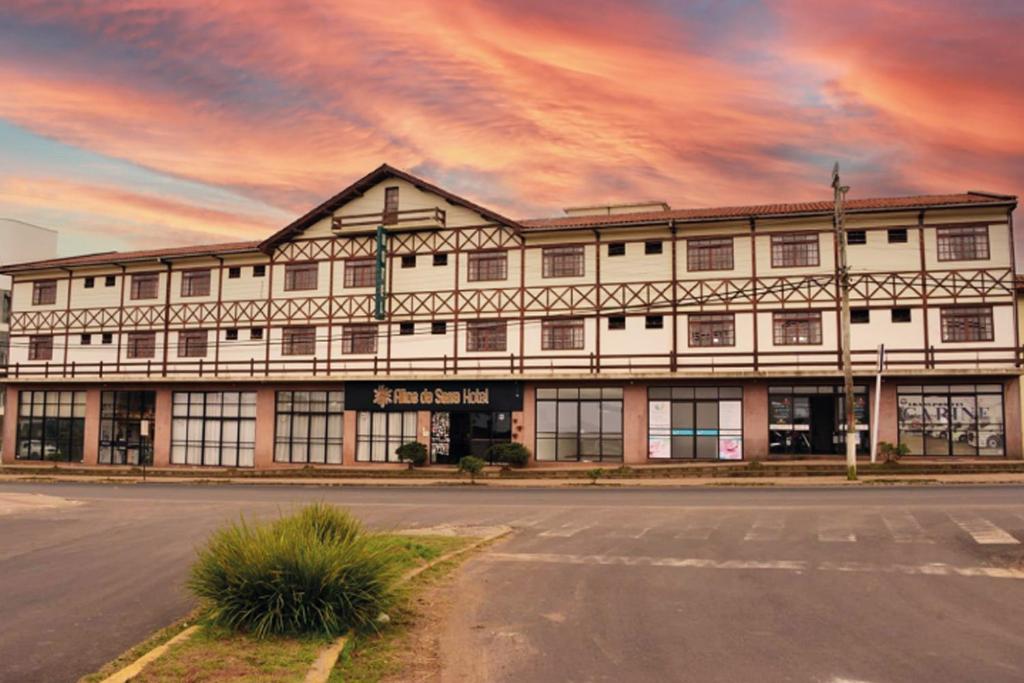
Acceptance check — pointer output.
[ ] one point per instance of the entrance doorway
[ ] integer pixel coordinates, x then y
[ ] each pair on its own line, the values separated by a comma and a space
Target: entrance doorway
457, 434
823, 411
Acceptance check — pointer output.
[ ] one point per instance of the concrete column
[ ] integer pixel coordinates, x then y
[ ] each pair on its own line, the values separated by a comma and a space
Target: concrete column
91, 447
888, 415
162, 427
634, 424
755, 421
1012, 413
524, 422
266, 416
348, 449
10, 425
423, 429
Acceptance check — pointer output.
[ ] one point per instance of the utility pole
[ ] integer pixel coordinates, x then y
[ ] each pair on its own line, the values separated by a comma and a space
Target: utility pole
839, 197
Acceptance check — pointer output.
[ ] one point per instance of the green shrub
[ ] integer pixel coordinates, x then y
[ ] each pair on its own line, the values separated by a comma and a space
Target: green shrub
413, 453
314, 572
511, 454
595, 474
472, 466
891, 453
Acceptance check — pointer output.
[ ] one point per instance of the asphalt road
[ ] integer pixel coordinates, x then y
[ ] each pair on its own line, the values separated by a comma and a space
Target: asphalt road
717, 584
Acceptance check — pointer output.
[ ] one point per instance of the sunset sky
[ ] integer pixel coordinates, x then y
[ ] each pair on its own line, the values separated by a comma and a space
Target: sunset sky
136, 123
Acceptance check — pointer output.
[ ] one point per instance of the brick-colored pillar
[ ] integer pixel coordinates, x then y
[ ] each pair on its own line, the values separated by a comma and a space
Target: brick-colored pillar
423, 428
91, 447
10, 425
162, 427
888, 415
263, 454
348, 447
524, 422
1013, 425
755, 421
634, 424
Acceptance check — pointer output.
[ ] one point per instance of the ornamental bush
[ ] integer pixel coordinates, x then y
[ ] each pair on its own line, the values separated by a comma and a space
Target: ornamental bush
471, 465
511, 454
314, 572
413, 453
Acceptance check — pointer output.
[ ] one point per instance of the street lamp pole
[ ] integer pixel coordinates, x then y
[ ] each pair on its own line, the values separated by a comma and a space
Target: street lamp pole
843, 271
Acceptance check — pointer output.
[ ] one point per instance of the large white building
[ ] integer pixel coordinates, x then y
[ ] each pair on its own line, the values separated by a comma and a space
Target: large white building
398, 311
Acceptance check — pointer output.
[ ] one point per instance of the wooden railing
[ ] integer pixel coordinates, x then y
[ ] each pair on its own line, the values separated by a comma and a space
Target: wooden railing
431, 217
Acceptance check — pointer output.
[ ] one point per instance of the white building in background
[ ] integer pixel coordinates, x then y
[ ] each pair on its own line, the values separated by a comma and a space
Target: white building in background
19, 241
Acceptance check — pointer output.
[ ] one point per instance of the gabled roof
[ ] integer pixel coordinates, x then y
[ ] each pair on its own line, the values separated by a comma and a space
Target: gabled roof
360, 186
105, 258
971, 198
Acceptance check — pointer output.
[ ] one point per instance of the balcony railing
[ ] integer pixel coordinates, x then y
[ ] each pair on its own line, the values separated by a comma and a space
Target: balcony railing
431, 217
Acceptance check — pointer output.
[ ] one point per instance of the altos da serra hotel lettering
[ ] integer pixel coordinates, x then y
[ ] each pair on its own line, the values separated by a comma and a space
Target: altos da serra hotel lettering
398, 311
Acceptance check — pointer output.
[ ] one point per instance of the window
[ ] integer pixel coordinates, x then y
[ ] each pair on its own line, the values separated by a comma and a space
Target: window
256, 333
488, 265
40, 348
405, 329
89, 282
300, 276
379, 434
51, 425
438, 327
859, 316
408, 260
5, 307
486, 335
359, 338
652, 247
797, 413
192, 344
107, 338
310, 427
360, 272
718, 329
952, 420
797, 328
900, 315
234, 272
259, 271
141, 345
390, 215
695, 422
109, 281
582, 423
213, 428
44, 292
856, 237
144, 286
795, 250
616, 322
121, 437
709, 254
231, 334
563, 261
963, 243
440, 259
616, 248
654, 322
967, 324
298, 341
561, 334
195, 283
85, 340
898, 236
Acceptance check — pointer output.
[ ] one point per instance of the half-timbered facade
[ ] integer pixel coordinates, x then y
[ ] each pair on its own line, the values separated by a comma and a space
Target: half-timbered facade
397, 311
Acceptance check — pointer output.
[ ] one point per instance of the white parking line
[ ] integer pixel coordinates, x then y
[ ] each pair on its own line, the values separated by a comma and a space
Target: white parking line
832, 530
905, 528
697, 530
565, 531
766, 530
981, 530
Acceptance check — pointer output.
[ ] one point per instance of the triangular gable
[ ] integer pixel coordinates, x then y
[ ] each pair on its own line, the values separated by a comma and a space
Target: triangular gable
378, 175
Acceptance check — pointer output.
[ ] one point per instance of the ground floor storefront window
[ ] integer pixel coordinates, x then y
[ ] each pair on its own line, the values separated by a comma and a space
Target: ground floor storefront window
51, 425
953, 419
310, 426
378, 434
579, 423
460, 433
688, 423
213, 428
811, 420
126, 423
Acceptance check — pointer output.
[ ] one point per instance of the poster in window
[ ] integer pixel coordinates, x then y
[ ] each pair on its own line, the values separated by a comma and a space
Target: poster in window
660, 416
730, 424
730, 448
780, 412
659, 447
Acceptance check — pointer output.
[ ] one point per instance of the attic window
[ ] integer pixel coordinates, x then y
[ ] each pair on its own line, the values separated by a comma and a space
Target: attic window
390, 215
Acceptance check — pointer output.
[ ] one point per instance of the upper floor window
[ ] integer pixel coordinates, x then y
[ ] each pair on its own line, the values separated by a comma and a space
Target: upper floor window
795, 250
192, 344
195, 282
89, 282
298, 341
561, 334
141, 344
40, 348
440, 259
486, 335
109, 280
144, 286
300, 276
897, 236
967, 324
652, 247
359, 338
856, 237
793, 328
390, 206
616, 248
709, 254
360, 272
234, 272
716, 329
44, 292
408, 260
963, 243
488, 265
5, 307
259, 271
563, 261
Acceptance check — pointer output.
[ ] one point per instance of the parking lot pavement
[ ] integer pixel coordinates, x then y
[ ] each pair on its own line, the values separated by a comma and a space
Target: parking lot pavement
715, 584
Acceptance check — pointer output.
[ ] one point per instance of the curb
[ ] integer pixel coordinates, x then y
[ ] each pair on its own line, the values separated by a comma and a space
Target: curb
135, 668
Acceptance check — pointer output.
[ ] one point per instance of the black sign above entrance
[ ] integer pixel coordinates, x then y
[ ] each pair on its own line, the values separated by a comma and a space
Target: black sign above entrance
434, 396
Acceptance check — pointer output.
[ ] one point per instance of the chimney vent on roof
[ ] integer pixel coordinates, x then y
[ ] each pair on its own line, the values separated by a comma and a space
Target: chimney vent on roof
616, 209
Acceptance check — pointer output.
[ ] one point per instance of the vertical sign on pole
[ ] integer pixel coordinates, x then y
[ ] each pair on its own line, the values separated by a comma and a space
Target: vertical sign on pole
379, 291
878, 402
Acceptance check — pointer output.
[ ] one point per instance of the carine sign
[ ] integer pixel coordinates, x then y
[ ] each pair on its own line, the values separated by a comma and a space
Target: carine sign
435, 396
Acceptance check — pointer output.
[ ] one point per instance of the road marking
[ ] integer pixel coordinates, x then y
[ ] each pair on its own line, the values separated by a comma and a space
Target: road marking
699, 530
766, 530
932, 569
832, 530
981, 530
905, 528
565, 531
